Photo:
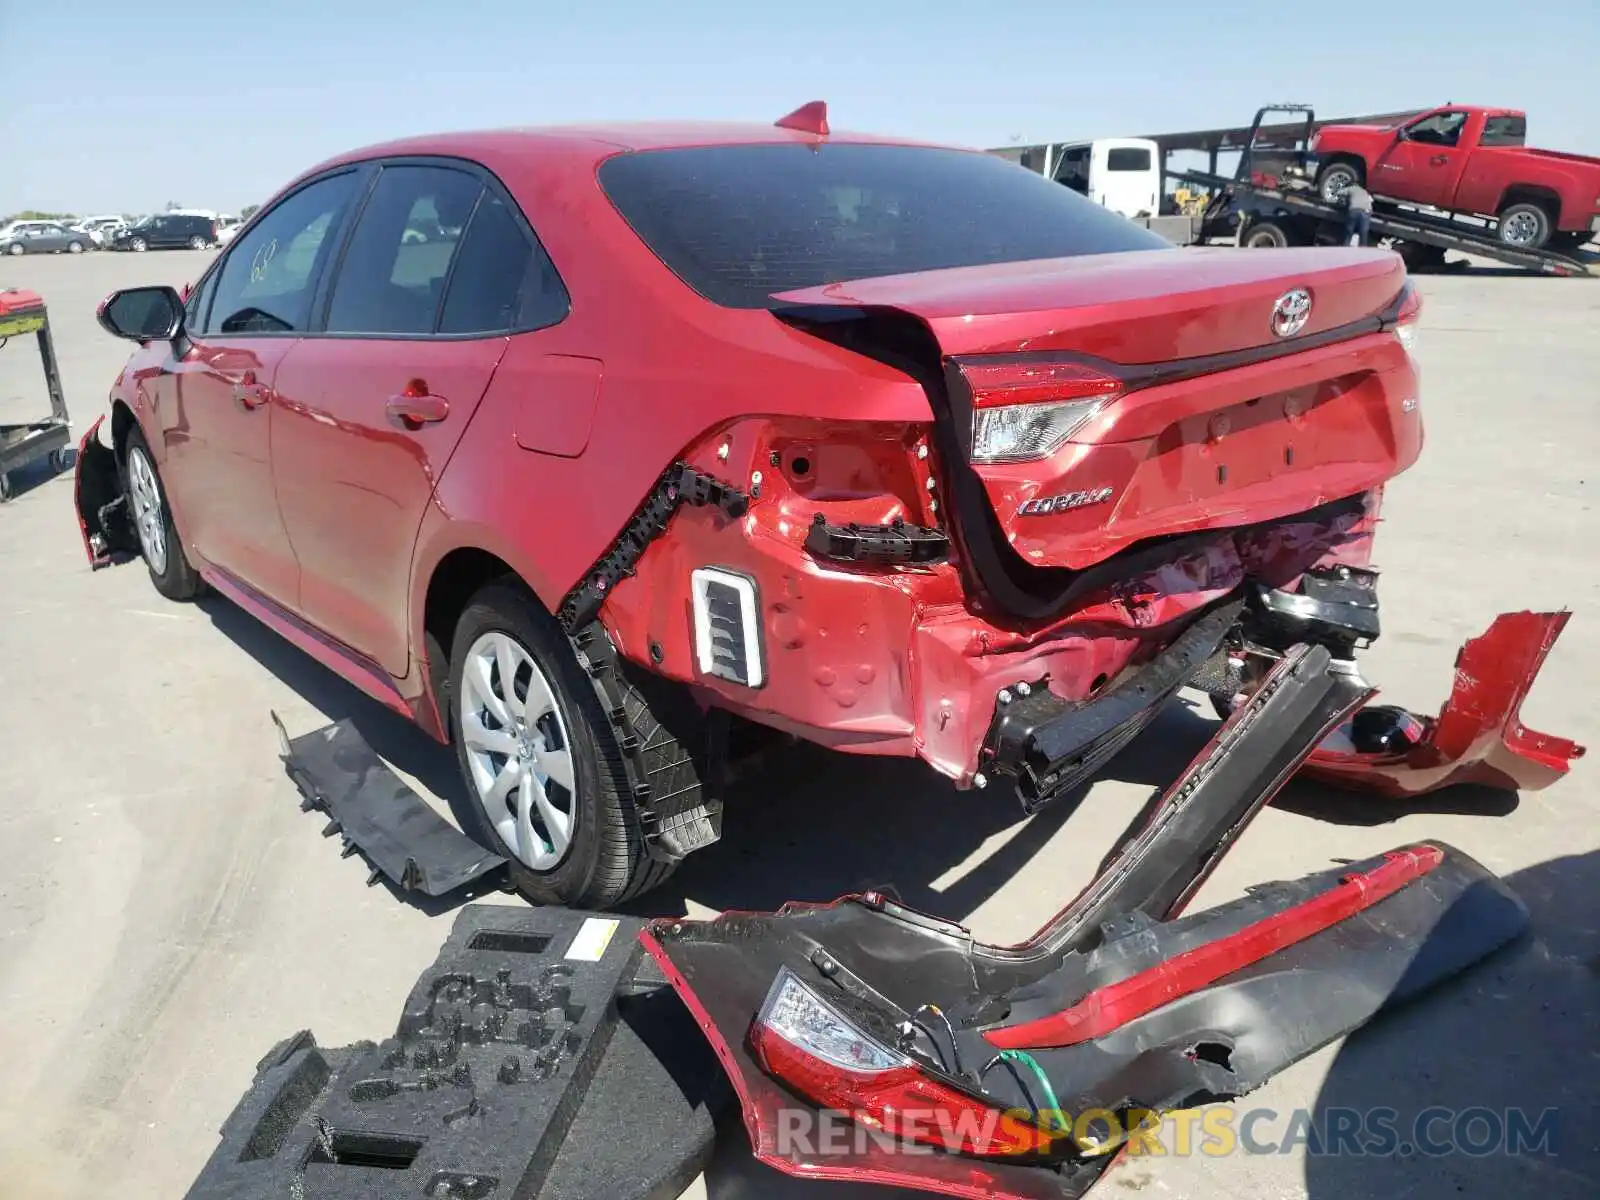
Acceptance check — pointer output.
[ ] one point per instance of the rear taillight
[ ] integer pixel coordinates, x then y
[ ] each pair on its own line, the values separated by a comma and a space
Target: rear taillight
1406, 322
804, 1041
1027, 410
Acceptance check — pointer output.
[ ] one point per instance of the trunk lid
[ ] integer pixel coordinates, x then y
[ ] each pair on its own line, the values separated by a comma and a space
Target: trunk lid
1215, 405
1137, 307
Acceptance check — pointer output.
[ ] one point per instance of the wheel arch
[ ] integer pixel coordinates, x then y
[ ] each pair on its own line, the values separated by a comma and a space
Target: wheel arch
1346, 158
123, 422
1545, 197
454, 573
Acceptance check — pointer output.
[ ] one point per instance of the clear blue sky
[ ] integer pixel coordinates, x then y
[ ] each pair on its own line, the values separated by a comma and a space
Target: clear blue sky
127, 106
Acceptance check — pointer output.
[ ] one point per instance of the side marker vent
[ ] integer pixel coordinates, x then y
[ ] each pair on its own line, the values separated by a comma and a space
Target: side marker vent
727, 626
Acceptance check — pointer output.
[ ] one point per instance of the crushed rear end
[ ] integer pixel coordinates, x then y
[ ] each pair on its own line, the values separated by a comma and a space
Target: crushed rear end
1143, 471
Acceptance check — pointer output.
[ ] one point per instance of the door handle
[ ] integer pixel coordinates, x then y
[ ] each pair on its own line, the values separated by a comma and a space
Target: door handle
414, 411
248, 393
1439, 160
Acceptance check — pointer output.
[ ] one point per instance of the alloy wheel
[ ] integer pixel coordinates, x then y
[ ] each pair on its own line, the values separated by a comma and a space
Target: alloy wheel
518, 750
148, 516
1521, 229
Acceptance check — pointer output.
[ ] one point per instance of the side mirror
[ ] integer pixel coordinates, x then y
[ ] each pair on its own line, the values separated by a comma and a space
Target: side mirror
142, 314
1402, 134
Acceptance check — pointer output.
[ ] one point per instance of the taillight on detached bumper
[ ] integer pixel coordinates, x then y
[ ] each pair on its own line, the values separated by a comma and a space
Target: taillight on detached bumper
807, 1043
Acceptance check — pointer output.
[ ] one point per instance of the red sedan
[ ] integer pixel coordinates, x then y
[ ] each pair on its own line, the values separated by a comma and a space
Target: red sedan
572, 444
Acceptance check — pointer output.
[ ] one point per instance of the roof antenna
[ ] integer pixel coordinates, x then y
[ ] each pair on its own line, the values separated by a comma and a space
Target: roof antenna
808, 118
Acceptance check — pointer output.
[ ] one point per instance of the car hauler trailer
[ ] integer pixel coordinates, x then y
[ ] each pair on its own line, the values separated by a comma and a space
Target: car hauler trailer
50, 436
1270, 200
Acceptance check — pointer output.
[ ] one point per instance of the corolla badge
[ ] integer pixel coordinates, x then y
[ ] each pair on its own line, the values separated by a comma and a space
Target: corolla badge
1043, 506
1291, 312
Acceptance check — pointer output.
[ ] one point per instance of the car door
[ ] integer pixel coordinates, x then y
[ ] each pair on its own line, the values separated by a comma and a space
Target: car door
217, 397
1424, 164
440, 269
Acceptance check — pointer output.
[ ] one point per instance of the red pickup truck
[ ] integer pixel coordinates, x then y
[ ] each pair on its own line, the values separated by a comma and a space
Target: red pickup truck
1468, 160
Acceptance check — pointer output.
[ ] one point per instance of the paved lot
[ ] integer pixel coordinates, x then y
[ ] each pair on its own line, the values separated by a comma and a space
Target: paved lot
166, 913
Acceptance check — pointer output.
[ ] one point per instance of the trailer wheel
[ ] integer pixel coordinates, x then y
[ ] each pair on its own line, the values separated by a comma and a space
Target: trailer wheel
1335, 179
1525, 226
1265, 235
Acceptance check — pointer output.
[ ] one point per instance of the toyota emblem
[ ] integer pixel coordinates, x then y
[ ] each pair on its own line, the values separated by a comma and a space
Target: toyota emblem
1291, 312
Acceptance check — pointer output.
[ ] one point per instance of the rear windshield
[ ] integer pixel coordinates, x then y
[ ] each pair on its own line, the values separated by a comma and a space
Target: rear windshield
738, 223
1128, 158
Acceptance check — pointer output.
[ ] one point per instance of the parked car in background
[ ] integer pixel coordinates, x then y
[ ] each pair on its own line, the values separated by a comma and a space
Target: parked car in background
102, 228
168, 231
1465, 159
43, 237
227, 227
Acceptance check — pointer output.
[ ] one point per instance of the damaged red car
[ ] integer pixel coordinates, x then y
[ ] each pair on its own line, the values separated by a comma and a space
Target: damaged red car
594, 450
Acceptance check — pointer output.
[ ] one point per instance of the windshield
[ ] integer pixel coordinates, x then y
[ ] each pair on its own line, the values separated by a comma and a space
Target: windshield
739, 223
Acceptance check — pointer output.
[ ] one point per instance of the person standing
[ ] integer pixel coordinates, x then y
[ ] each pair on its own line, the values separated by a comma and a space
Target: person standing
1357, 215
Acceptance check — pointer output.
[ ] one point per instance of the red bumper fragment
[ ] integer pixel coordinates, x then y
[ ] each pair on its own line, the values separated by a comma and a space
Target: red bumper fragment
94, 545
1478, 737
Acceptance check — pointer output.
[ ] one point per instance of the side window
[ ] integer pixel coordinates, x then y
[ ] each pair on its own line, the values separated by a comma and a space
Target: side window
194, 311
392, 277
1441, 129
503, 279
266, 281
1504, 131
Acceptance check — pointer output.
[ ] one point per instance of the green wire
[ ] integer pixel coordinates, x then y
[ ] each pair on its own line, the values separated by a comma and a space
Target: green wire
1022, 1056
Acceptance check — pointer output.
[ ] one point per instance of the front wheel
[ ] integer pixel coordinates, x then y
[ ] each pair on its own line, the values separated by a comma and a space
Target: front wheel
1335, 180
75, 248
139, 244
547, 781
170, 570
15, 248
1524, 227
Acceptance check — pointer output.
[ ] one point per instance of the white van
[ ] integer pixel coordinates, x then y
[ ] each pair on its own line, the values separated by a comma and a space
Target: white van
1122, 174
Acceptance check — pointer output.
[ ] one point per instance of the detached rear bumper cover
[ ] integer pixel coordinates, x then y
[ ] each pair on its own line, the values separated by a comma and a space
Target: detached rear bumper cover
1216, 1041
1478, 737
1119, 1002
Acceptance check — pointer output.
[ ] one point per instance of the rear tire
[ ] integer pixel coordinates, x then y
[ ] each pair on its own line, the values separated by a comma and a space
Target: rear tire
1265, 235
170, 570
1525, 226
197, 242
604, 861
1334, 180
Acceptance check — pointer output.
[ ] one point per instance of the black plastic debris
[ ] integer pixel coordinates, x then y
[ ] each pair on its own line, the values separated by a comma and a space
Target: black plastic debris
541, 1057
377, 813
